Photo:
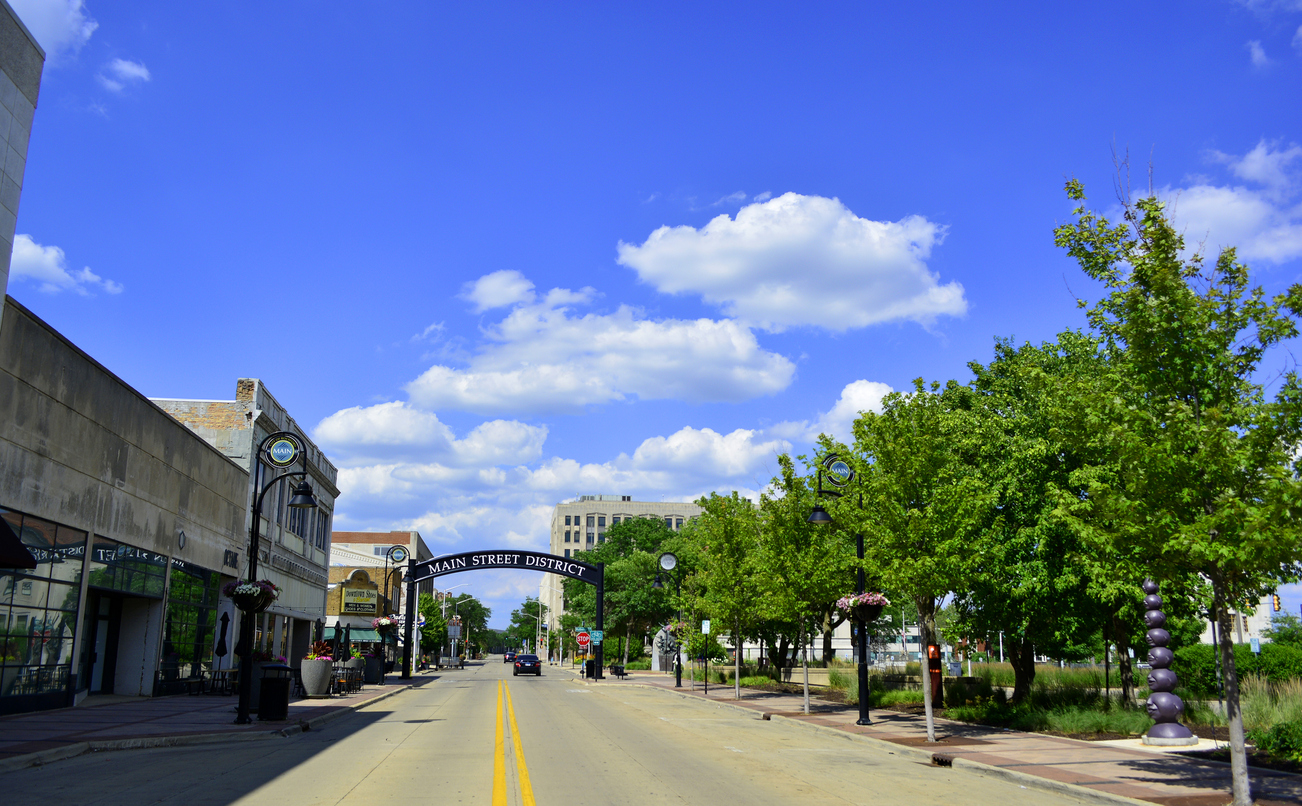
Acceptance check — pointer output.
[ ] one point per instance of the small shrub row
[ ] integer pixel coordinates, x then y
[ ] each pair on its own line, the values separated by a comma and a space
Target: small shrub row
1196, 665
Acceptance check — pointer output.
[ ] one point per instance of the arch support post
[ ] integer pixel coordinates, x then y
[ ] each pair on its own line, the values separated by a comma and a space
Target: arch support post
598, 654
409, 619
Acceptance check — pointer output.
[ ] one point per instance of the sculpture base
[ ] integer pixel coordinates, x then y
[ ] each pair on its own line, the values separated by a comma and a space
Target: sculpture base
1158, 741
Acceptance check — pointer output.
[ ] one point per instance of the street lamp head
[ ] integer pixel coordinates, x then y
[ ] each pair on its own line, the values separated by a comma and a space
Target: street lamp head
819, 517
657, 584
303, 497
668, 561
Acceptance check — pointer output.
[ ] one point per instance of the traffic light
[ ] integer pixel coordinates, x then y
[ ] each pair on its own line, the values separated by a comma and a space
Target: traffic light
1275, 598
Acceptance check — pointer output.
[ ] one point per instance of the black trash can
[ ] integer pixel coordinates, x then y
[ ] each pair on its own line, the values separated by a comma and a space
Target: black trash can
590, 669
273, 698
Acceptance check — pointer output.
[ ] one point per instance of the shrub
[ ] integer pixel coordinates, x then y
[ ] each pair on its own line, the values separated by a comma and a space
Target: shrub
1196, 665
644, 664
1283, 740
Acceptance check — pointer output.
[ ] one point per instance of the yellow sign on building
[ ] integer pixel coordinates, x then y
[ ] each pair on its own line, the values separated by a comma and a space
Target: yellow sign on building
361, 601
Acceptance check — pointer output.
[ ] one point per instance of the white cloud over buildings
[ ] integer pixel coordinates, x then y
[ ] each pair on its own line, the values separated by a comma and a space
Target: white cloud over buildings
47, 268
61, 27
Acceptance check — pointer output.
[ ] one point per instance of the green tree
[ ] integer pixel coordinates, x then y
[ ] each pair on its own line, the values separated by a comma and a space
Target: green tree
434, 635
474, 618
924, 502
1206, 482
525, 621
729, 532
1285, 628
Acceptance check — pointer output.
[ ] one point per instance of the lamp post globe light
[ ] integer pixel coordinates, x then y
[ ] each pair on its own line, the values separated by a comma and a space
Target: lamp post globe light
280, 450
668, 562
839, 474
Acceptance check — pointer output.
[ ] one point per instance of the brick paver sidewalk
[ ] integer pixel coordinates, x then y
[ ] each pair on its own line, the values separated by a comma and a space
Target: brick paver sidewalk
1157, 777
181, 718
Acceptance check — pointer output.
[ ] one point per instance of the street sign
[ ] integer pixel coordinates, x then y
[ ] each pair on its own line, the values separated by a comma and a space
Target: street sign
705, 627
283, 451
398, 554
597, 635
583, 638
1256, 646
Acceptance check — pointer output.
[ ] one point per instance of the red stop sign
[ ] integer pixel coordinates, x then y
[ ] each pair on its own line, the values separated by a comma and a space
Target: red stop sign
583, 638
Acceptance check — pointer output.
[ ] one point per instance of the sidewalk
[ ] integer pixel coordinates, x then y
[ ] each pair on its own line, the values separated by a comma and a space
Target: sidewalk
41, 736
1109, 770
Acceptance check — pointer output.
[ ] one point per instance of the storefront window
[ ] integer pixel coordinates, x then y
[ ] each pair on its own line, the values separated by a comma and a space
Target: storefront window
116, 566
189, 629
38, 612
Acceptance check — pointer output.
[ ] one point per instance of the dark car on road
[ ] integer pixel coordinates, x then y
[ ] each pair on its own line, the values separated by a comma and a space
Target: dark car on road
527, 664
508, 657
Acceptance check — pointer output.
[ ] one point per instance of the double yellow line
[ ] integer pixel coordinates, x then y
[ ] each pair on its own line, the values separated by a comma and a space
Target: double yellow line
499, 754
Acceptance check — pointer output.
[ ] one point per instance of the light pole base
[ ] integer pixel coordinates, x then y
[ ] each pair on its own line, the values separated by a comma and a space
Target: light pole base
863, 721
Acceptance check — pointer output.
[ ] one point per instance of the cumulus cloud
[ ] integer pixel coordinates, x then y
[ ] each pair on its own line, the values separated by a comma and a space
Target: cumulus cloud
544, 357
1257, 54
1262, 217
117, 74
500, 289
392, 430
838, 421
47, 266
60, 26
1297, 39
802, 260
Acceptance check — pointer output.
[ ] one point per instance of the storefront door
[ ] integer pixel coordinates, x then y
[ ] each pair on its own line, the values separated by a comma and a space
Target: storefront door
104, 623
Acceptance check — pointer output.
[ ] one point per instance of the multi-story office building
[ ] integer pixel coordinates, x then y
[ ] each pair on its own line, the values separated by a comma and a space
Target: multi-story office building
581, 524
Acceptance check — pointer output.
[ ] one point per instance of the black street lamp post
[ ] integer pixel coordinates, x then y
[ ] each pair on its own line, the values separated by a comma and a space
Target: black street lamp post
280, 450
668, 562
839, 475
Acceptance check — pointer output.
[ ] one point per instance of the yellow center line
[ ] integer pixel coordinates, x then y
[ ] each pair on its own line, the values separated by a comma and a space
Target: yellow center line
499, 756
526, 788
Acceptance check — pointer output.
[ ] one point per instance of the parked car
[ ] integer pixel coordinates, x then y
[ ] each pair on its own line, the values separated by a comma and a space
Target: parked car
526, 664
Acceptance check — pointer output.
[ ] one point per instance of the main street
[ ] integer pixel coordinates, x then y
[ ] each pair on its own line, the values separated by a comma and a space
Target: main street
479, 735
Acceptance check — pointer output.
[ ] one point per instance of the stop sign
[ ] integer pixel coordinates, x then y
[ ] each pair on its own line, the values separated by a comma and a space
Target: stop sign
583, 638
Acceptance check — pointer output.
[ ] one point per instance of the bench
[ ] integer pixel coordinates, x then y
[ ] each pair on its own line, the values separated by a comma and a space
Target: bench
618, 671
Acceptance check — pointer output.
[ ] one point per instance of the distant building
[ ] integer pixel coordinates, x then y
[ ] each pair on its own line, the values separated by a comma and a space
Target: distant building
581, 524
295, 543
368, 550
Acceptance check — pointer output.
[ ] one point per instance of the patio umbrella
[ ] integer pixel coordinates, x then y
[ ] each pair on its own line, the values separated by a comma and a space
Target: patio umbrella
348, 638
221, 649
335, 641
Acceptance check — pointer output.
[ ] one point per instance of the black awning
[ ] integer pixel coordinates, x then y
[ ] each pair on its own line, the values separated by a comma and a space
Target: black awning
13, 554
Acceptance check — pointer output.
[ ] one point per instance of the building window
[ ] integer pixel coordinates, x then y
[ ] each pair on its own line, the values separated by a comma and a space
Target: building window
191, 619
378, 550
567, 520
669, 523
592, 521
678, 523
567, 537
614, 521
591, 537
601, 521
601, 537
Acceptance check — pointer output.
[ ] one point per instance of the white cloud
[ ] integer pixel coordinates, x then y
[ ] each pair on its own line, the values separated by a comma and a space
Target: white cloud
763, 197
48, 267
541, 357
1297, 40
802, 260
60, 26
1263, 222
856, 398
1257, 54
391, 430
118, 73
498, 290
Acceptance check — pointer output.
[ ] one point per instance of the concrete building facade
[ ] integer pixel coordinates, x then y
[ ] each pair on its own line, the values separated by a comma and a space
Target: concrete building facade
295, 543
134, 523
21, 61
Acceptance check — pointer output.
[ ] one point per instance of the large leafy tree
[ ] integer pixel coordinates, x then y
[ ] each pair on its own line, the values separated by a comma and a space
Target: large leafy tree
924, 503
1206, 480
728, 530
435, 632
525, 620
1030, 583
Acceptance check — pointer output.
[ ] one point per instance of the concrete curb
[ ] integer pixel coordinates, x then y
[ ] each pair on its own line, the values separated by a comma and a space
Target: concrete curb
42, 757
882, 746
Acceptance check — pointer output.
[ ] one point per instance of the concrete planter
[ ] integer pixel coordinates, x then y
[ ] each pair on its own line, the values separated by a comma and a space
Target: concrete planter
316, 677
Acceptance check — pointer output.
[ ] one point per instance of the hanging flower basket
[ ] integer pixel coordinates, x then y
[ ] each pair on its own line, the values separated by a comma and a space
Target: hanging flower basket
252, 597
385, 625
863, 606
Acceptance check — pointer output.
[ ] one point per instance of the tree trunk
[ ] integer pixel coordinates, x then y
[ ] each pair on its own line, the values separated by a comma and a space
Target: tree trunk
804, 664
736, 659
1021, 654
627, 630
780, 660
829, 624
1125, 664
927, 629
1239, 783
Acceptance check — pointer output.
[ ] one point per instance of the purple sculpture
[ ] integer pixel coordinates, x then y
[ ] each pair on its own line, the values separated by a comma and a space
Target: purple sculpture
1164, 707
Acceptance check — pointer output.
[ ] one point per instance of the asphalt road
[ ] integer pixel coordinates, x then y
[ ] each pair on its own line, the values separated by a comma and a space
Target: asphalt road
481, 736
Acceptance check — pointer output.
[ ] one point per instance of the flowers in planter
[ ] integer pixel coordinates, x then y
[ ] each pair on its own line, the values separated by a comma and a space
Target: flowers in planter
853, 600
262, 656
319, 651
384, 623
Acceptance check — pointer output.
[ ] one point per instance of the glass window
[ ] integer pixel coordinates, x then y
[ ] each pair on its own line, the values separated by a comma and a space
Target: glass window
678, 523
119, 567
567, 537
592, 521
567, 520
601, 520
669, 523
38, 609
567, 554
591, 537
188, 632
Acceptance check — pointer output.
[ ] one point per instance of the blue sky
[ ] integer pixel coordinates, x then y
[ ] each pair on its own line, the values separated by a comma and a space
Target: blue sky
497, 255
